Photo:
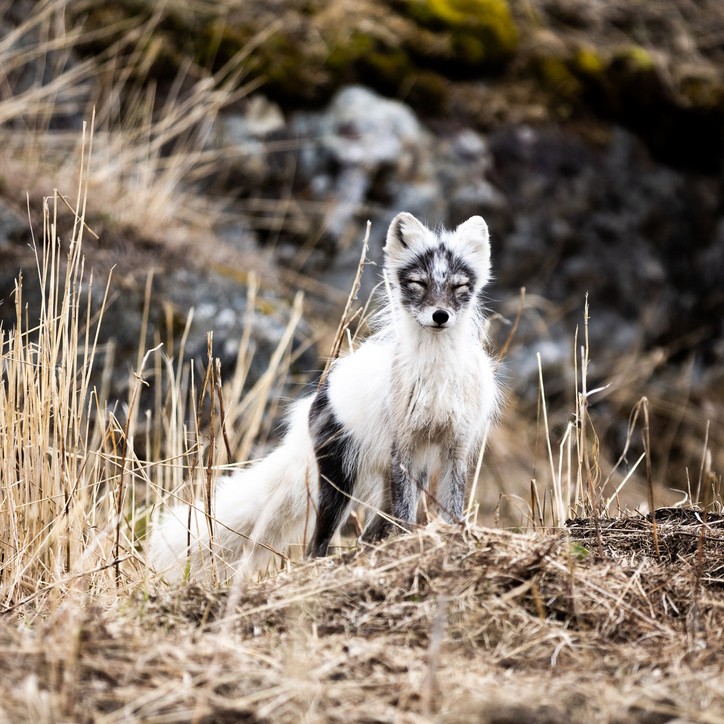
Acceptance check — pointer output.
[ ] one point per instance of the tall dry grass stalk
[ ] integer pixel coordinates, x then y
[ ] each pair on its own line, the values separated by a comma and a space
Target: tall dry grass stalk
80, 475
76, 487
577, 480
576, 485
55, 474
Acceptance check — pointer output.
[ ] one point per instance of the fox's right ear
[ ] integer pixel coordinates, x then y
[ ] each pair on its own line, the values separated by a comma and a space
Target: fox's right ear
405, 232
474, 236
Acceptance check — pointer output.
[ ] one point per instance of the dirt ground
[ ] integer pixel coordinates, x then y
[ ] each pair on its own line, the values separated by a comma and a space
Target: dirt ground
448, 625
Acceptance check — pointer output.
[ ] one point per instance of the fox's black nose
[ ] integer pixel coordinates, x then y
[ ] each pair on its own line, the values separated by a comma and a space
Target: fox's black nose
440, 316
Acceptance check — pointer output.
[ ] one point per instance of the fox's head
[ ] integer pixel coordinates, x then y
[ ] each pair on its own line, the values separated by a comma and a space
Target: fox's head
437, 276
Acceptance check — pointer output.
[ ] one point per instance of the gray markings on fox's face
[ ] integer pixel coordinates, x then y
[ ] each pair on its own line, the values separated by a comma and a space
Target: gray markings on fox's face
435, 286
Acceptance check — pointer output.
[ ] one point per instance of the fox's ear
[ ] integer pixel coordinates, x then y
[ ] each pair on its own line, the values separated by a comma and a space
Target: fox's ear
405, 232
474, 237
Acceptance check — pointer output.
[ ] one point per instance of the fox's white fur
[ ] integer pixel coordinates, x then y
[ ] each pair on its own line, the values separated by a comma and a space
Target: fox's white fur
409, 408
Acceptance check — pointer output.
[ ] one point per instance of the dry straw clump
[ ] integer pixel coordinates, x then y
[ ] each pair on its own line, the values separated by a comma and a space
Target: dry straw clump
444, 624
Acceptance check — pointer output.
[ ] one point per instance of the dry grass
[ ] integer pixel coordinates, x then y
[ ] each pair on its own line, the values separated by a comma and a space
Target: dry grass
441, 625
151, 149
79, 474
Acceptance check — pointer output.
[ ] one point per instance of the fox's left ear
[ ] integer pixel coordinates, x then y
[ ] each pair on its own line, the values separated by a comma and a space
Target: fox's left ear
405, 233
474, 237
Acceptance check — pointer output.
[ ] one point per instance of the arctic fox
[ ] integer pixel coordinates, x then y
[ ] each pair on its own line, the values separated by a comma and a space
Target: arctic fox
405, 412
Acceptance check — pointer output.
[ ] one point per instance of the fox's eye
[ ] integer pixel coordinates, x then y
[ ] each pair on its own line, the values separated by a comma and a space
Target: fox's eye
415, 284
460, 288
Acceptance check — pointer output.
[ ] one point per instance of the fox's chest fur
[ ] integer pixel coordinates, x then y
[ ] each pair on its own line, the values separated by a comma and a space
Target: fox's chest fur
410, 394
435, 393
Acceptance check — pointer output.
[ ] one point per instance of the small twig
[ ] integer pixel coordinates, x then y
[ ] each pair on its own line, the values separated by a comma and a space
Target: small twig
649, 473
345, 318
509, 339
212, 448
79, 218
120, 497
699, 566
535, 503
431, 690
476, 477
560, 514
222, 411
703, 464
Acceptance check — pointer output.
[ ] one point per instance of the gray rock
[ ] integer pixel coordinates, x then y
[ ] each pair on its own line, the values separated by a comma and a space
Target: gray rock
363, 157
12, 226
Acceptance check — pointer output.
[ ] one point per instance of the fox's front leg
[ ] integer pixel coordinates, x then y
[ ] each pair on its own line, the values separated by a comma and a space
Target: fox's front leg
404, 492
451, 490
380, 523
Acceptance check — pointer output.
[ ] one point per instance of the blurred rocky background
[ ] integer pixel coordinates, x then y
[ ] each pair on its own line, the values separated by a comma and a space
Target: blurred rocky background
250, 136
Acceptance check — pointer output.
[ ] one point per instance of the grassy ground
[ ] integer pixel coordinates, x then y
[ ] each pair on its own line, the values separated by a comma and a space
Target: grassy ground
441, 625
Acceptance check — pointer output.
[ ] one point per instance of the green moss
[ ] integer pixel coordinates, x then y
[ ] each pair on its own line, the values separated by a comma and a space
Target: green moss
634, 88
347, 51
288, 67
703, 92
555, 73
579, 552
427, 90
587, 61
361, 57
480, 32
140, 528
613, 85
635, 57
285, 66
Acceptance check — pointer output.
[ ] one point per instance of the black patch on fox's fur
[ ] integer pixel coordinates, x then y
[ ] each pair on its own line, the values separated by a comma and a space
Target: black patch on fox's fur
333, 450
423, 266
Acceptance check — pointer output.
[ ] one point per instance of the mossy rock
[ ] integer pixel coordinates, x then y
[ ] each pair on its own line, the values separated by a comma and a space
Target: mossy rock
302, 53
587, 61
363, 58
584, 76
362, 54
481, 34
549, 62
627, 82
635, 58
683, 129
703, 92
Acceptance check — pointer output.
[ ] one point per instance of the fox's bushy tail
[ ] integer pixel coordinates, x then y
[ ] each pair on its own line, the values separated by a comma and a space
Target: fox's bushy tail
258, 511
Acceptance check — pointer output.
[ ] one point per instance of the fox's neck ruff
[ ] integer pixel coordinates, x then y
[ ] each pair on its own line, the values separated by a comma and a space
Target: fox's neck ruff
432, 345
434, 377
